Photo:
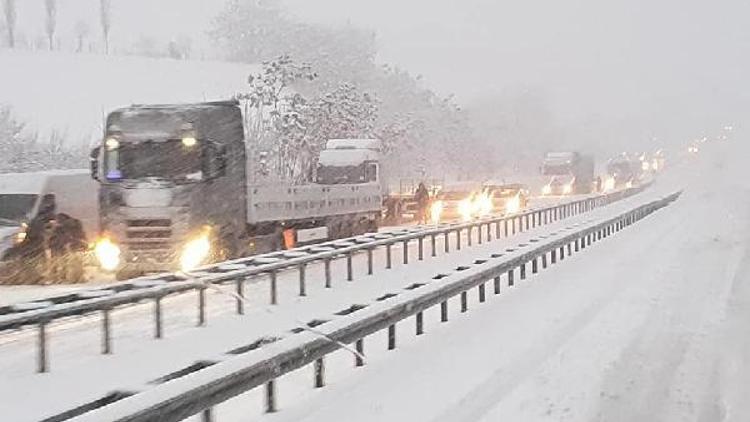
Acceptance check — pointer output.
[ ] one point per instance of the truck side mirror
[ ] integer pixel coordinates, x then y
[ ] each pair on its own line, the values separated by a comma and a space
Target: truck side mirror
94, 163
216, 160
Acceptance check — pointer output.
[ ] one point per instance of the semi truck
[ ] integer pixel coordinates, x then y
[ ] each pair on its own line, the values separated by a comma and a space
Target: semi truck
622, 171
174, 191
568, 172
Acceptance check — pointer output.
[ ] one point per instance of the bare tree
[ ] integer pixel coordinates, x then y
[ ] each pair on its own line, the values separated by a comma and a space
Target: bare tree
106, 21
81, 31
51, 7
10, 21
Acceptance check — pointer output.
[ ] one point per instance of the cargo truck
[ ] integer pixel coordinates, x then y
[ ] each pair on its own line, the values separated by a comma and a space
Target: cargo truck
174, 191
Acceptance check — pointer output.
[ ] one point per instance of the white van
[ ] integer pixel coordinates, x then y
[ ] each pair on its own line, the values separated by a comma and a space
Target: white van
21, 194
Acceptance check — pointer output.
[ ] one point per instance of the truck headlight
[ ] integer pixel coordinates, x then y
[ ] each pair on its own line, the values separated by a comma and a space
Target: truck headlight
546, 190
107, 253
195, 252
567, 189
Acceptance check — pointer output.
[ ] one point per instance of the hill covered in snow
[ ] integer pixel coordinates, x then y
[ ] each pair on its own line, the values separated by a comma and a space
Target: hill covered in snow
71, 93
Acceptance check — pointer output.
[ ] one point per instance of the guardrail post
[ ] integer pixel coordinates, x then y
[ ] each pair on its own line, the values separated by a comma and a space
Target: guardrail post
359, 345
157, 318
544, 260
444, 311
274, 289
327, 271
469, 234
464, 301
388, 256
207, 415
479, 234
302, 287
482, 294
534, 265
505, 224
271, 396
201, 307
553, 256
240, 283
446, 242
319, 366
496, 281
497, 229
42, 362
523, 271
433, 244
510, 277
458, 239
570, 247
369, 261
420, 242
577, 243
106, 332
406, 252
391, 336
562, 253
489, 232
526, 221
349, 267
420, 323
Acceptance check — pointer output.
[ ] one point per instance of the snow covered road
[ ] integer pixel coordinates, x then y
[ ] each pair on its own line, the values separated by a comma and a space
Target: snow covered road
79, 374
648, 325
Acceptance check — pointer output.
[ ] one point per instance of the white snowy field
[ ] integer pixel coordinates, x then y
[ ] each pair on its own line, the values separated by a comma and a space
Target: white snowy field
79, 374
71, 93
648, 325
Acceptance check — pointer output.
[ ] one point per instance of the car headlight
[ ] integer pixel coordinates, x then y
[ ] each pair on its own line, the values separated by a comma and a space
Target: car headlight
195, 252
107, 253
567, 189
546, 190
513, 205
436, 210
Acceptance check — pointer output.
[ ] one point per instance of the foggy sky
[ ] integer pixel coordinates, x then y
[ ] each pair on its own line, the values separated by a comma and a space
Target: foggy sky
667, 63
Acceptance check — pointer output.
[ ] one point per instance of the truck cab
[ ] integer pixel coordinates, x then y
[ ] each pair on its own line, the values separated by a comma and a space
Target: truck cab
172, 186
569, 173
349, 161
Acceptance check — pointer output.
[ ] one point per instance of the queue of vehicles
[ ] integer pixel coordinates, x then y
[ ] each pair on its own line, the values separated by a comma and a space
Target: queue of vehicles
173, 192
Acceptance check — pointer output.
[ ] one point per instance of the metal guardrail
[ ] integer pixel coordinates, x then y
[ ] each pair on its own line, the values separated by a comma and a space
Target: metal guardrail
203, 385
155, 287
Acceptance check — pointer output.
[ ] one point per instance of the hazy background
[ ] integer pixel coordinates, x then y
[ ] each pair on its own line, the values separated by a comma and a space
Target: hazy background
579, 73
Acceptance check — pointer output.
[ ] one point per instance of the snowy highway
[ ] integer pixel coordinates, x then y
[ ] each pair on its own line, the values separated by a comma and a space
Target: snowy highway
575, 342
655, 331
79, 374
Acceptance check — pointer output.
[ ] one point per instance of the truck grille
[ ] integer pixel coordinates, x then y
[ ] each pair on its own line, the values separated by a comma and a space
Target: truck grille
153, 235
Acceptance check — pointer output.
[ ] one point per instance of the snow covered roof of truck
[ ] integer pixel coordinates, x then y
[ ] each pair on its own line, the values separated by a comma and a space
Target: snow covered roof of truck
346, 157
371, 144
34, 182
219, 121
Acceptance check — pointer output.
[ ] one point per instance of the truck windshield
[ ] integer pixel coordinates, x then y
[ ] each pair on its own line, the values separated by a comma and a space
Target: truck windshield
171, 159
16, 207
556, 169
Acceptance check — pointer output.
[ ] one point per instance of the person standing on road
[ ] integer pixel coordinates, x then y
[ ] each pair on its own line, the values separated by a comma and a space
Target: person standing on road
422, 196
67, 243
